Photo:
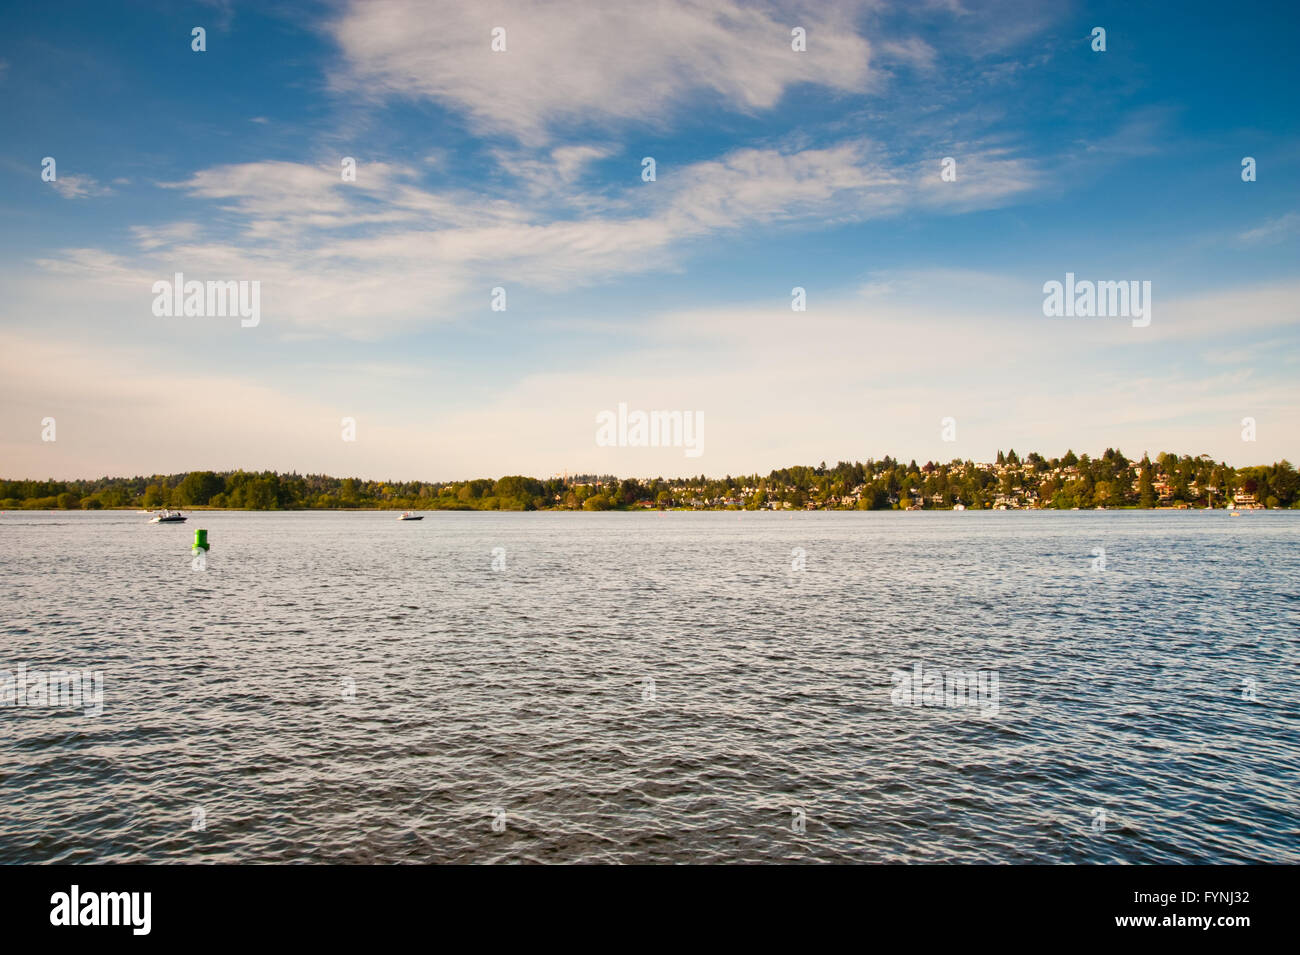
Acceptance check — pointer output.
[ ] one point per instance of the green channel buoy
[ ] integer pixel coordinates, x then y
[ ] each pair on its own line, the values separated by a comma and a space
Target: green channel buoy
200, 539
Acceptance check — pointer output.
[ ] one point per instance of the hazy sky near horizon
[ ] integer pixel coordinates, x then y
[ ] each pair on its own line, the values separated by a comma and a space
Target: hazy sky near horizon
522, 170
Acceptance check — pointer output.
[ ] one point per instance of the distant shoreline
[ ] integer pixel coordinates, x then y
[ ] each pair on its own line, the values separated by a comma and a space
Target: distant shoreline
1071, 482
205, 509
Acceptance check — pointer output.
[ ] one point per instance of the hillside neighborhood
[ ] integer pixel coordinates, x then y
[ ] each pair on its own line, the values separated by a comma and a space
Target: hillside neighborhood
1009, 483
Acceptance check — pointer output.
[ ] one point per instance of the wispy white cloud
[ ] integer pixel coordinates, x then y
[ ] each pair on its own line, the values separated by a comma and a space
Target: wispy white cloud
913, 52
1272, 231
383, 253
985, 179
149, 238
550, 176
572, 62
223, 11
79, 187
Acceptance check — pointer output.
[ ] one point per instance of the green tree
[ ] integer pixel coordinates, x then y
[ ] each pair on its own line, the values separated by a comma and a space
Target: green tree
1064, 499
260, 494
348, 492
1103, 494
198, 487
1146, 489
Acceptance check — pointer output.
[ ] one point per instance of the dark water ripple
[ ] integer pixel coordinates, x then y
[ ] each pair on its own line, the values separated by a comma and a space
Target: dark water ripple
522, 690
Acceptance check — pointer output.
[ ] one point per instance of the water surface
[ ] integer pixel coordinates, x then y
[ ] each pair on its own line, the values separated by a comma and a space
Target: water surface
342, 687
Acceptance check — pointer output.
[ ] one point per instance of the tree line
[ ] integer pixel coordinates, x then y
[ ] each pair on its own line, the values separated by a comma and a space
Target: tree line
1110, 480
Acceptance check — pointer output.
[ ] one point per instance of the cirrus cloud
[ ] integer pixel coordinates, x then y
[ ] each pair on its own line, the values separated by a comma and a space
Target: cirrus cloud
572, 62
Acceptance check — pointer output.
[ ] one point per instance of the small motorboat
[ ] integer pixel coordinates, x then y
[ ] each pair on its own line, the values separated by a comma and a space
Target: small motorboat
408, 516
167, 517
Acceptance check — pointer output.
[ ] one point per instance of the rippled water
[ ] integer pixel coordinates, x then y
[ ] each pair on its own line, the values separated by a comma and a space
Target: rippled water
1122, 730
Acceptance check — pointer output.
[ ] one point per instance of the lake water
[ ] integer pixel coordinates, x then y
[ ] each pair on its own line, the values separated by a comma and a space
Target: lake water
675, 687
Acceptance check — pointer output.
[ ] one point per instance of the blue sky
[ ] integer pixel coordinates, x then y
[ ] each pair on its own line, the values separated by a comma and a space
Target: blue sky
522, 169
